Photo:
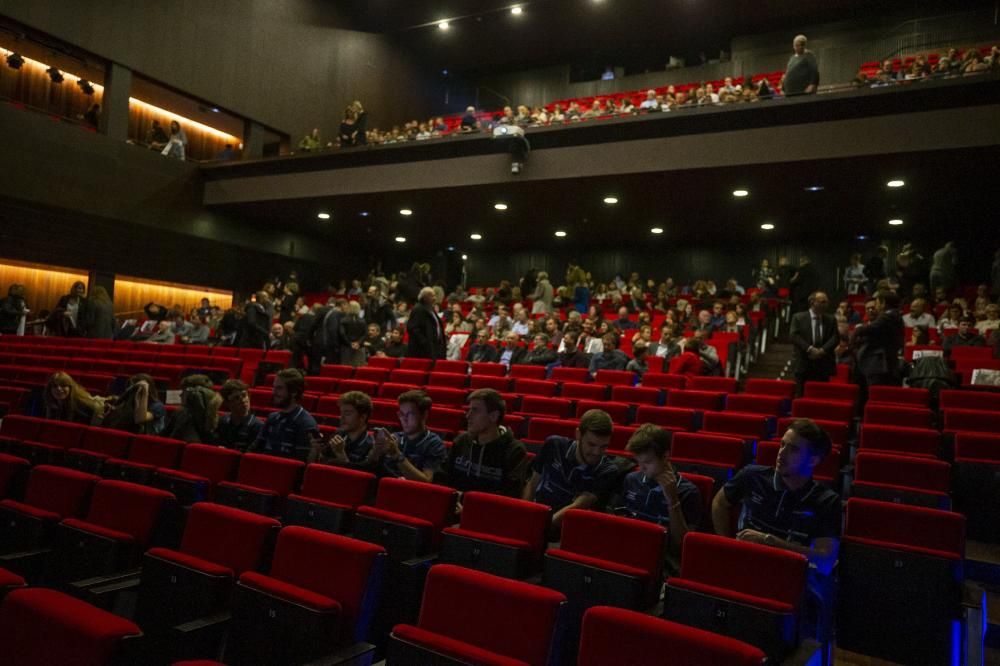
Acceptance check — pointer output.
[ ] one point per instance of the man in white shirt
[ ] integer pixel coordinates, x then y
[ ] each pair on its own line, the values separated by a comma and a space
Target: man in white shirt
650, 103
918, 316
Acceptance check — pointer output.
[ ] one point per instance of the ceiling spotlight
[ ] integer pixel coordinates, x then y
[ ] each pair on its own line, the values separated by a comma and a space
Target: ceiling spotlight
400, 239
862, 237
560, 234
500, 206
324, 216
85, 87
767, 226
476, 236
451, 248
405, 211
464, 257
215, 109
814, 188
895, 183
895, 222
443, 25
14, 61
515, 10
656, 230
54, 74
611, 200
364, 213
741, 193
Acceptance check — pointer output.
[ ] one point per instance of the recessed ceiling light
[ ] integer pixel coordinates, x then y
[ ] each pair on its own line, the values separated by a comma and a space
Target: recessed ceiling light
464, 257
400, 239
516, 10
767, 226
364, 213
862, 237
560, 234
405, 211
611, 200
895, 183
443, 25
476, 236
324, 216
814, 188
741, 193
500, 206
451, 248
656, 230
895, 222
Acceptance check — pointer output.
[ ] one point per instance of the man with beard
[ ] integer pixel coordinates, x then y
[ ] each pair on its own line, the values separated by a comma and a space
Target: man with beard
291, 431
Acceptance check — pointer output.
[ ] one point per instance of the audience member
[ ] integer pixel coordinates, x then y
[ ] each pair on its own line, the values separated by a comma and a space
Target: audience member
814, 336
413, 452
880, 343
802, 72
239, 428
351, 444
918, 315
198, 417
290, 432
65, 400
138, 409
14, 311
610, 358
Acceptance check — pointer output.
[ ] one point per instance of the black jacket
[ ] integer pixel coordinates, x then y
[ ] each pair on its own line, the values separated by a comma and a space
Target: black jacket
801, 336
11, 309
256, 327
881, 342
499, 467
427, 339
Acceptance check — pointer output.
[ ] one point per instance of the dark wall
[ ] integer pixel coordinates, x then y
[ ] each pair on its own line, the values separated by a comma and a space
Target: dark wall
290, 65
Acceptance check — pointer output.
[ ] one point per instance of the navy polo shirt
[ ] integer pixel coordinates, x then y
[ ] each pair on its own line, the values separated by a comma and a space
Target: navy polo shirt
239, 436
644, 499
563, 477
800, 516
425, 451
287, 434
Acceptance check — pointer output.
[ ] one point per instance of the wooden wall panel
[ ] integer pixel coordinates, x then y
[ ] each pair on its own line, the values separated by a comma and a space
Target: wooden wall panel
31, 85
131, 296
44, 286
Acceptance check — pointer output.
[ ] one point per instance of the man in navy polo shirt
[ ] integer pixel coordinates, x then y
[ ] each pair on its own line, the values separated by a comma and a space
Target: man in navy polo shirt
414, 452
574, 473
351, 444
290, 432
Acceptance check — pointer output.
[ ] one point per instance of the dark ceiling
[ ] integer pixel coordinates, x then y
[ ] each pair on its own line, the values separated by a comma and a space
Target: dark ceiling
694, 207
485, 36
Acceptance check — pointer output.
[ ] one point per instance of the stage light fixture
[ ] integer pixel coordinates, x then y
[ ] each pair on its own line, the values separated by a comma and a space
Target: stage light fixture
14, 60
85, 87
406, 212
611, 201
656, 230
55, 75
500, 206
895, 183
400, 239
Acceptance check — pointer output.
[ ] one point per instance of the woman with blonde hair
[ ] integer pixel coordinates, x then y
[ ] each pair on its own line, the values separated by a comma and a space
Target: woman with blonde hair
360, 124
65, 400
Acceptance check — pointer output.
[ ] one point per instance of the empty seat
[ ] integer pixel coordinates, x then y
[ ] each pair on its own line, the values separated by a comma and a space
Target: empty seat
13, 474
120, 524
541, 428
386, 362
472, 617
447, 396
366, 387
495, 382
583, 391
902, 479
391, 390
540, 387
746, 591
895, 439
262, 483
830, 391
487, 369
407, 518
606, 560
202, 468
977, 483
719, 384
218, 545
96, 446
17, 428
895, 557
558, 408
709, 401
918, 397
823, 409
319, 595
522, 371
52, 494
321, 384
770, 405
446, 422
664, 380
329, 497
775, 387
898, 415
617, 636
747, 426
672, 418
637, 395
449, 379
146, 454
620, 412
411, 363
570, 374
498, 535
971, 420
716, 456
51, 442
615, 377
369, 374
459, 367
949, 399
40, 626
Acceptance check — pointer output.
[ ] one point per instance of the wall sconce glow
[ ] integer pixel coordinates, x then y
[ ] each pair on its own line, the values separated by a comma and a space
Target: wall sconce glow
741, 193
767, 226
895, 223
443, 25
324, 216
611, 201
560, 234
476, 236
400, 239
656, 230
500, 206
405, 211
895, 183
516, 10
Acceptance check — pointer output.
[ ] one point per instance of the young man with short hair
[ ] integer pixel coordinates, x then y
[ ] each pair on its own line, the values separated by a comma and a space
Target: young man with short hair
967, 336
574, 473
351, 444
414, 452
486, 457
240, 427
291, 431
656, 492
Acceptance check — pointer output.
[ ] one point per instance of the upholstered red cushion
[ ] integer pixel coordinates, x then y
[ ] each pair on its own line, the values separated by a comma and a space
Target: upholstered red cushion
453, 648
731, 595
28, 510
597, 563
909, 528
226, 536
393, 517
483, 536
190, 562
508, 520
128, 507
9, 579
289, 592
99, 530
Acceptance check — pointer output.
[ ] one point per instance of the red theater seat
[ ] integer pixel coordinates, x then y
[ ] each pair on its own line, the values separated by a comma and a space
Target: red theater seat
902, 479
770, 405
262, 483
409, 363
949, 399
52, 494
329, 497
664, 380
13, 474
917, 397
717, 384
527, 371
146, 454
970, 420
620, 412
977, 483
488, 369
830, 391
898, 415
570, 374
615, 377
709, 401
672, 418
775, 387
637, 395
823, 409
903, 441
407, 518
558, 408
716, 456
541, 387
449, 379
202, 468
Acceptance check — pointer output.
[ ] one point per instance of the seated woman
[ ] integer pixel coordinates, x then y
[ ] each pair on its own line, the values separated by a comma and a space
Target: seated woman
65, 400
139, 408
197, 419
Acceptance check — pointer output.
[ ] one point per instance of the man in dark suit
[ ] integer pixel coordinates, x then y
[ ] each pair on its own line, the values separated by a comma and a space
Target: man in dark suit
814, 335
880, 343
427, 339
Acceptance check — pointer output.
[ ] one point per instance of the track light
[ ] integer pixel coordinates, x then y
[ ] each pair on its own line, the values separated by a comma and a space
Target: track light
55, 75
85, 87
14, 61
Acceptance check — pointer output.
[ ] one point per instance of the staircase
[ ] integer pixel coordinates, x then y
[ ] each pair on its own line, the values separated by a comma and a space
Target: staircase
775, 363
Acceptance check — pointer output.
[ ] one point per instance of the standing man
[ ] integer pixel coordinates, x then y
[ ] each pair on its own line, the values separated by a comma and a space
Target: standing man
802, 72
804, 282
880, 343
814, 336
426, 331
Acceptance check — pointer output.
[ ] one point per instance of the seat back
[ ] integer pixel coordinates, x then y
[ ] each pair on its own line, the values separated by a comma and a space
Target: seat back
60, 490
970, 420
155, 451
339, 485
558, 408
61, 433
919, 474
823, 409
212, 462
918, 397
449, 379
228, 537
625, 541
718, 450
126, 507
569, 374
674, 418
898, 415
540, 387
775, 387
907, 441
664, 380
619, 636
435, 504
829, 391
108, 442
620, 412
753, 426
910, 528
701, 400
615, 377
949, 399
506, 517
527, 371
770, 405
717, 384
540, 428
279, 475
637, 395
506, 617
21, 428
488, 369
584, 391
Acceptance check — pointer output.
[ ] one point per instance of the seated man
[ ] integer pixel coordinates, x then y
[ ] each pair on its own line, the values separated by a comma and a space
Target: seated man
412, 453
486, 457
611, 358
276, 338
623, 323
574, 474
655, 492
164, 334
966, 336
917, 316
290, 432
571, 355
668, 346
540, 353
239, 428
785, 507
395, 347
351, 444
511, 351
481, 351
198, 333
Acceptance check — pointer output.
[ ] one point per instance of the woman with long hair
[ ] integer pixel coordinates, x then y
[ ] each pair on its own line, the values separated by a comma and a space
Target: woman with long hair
65, 400
101, 315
